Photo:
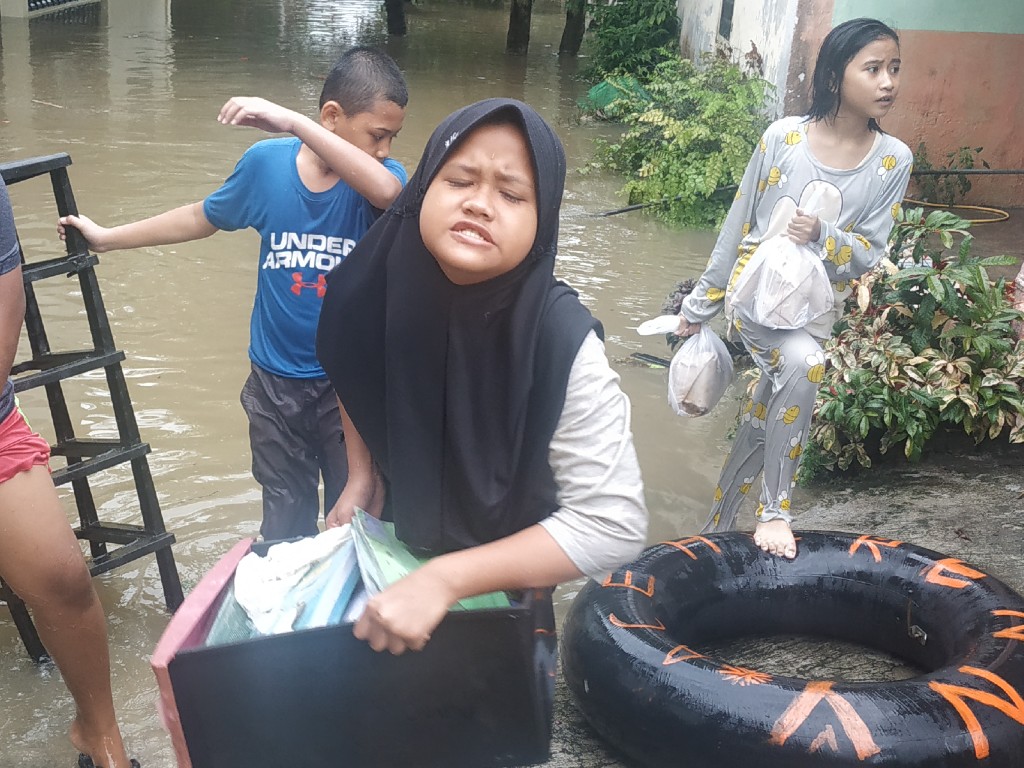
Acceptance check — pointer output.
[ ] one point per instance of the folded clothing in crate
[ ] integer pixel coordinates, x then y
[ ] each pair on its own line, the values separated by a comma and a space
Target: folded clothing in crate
479, 693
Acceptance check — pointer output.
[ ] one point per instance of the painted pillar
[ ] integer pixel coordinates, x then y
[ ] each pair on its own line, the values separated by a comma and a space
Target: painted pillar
814, 20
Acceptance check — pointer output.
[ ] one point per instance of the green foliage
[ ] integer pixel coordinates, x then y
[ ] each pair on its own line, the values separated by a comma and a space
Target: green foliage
631, 36
921, 349
689, 132
940, 188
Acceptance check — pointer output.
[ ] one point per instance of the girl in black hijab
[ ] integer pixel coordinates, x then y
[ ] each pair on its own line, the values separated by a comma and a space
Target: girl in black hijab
480, 413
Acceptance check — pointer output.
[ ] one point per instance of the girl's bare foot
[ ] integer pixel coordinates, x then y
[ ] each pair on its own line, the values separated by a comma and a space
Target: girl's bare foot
106, 751
776, 538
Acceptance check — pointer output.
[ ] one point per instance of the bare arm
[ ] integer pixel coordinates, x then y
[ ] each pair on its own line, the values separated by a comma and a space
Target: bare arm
175, 226
600, 524
12, 315
364, 487
365, 174
403, 616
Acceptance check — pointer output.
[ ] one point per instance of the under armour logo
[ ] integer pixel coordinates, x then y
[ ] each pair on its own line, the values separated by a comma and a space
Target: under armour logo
298, 284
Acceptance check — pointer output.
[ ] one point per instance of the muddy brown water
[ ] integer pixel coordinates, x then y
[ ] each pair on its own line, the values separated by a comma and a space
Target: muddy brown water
131, 89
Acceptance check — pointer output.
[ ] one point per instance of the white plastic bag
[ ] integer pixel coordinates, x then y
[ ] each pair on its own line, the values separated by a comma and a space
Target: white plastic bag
699, 374
784, 285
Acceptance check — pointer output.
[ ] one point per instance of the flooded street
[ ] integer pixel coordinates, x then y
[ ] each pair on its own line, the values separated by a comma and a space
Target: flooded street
131, 90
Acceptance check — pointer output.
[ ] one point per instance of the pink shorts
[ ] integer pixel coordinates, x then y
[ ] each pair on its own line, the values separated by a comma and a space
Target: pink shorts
20, 447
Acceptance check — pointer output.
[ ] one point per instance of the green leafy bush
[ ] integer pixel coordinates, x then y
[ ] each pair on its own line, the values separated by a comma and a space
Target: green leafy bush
690, 131
631, 36
942, 188
921, 349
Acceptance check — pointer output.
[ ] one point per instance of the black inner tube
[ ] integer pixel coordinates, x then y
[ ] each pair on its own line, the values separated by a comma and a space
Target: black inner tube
838, 608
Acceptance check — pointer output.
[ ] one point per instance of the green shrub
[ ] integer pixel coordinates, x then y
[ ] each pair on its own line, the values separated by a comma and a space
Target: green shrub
631, 36
945, 189
920, 349
690, 131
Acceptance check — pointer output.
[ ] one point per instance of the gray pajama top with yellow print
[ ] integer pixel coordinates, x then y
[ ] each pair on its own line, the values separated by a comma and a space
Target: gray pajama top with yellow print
857, 208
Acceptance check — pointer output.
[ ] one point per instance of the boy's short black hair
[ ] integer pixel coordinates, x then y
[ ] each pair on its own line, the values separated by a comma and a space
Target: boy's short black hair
361, 78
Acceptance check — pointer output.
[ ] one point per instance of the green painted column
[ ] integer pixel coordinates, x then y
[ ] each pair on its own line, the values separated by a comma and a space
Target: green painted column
1005, 17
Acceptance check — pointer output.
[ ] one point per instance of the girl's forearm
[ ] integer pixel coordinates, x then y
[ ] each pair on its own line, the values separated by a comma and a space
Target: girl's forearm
528, 559
361, 468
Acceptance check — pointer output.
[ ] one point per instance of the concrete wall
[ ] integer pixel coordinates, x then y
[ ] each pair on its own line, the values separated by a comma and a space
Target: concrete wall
962, 64
761, 27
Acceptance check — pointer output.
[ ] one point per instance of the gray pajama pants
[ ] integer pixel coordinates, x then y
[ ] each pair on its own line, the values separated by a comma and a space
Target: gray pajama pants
774, 424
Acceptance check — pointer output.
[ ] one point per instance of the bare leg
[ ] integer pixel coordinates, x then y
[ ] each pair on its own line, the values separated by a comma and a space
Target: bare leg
41, 561
776, 538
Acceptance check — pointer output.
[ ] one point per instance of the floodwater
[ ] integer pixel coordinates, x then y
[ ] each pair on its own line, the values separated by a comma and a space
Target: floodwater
131, 89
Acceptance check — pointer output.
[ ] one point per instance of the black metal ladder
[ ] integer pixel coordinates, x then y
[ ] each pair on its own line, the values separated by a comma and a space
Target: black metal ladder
86, 456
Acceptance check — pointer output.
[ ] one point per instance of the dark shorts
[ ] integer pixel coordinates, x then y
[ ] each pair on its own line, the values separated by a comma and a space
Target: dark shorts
296, 438
20, 447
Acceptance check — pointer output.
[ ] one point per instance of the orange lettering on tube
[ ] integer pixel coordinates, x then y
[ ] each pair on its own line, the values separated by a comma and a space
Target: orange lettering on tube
934, 574
873, 543
627, 583
681, 653
623, 625
826, 737
683, 545
1011, 633
796, 714
743, 676
956, 695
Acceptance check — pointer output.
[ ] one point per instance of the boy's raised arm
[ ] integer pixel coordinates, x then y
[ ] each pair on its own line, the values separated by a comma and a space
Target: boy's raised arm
175, 226
364, 173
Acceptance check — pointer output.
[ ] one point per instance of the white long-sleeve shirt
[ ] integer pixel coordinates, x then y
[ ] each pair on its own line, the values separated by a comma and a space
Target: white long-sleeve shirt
601, 522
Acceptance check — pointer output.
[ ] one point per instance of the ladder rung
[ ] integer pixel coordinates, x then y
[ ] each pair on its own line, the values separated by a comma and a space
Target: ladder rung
145, 544
64, 265
97, 463
57, 366
85, 447
19, 170
110, 533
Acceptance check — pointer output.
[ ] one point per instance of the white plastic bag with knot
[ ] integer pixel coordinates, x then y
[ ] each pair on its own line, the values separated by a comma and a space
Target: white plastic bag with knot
792, 286
699, 374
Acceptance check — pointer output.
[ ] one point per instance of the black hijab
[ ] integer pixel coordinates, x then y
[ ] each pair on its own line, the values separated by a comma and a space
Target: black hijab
456, 390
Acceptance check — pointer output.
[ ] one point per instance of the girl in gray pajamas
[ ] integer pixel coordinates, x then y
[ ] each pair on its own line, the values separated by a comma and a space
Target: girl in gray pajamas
838, 157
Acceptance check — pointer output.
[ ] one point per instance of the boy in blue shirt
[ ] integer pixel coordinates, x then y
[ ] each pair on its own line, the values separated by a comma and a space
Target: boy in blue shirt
311, 196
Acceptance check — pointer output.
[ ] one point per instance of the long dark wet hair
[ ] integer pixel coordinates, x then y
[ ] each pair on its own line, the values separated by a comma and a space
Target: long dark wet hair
837, 50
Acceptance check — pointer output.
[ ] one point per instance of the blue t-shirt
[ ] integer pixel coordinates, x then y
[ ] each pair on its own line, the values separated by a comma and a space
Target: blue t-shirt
304, 236
10, 257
